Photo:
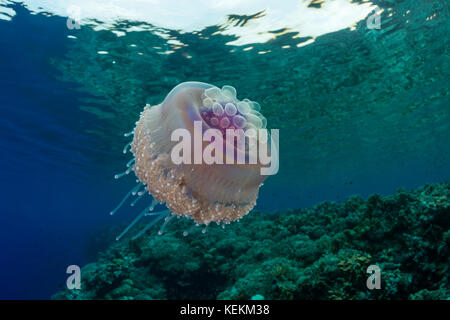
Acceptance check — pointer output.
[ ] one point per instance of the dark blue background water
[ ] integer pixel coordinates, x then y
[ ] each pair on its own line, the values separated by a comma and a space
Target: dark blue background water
53, 196
56, 180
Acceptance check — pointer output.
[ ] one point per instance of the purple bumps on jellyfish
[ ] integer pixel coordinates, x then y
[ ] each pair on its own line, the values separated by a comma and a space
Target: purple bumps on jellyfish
204, 192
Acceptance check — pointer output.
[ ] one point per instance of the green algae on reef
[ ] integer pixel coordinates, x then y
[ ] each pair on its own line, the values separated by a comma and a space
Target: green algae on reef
317, 253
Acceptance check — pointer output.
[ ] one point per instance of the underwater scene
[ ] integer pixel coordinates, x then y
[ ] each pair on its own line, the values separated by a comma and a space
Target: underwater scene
225, 150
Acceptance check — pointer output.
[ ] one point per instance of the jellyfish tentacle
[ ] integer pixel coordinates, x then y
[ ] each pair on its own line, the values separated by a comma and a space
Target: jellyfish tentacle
159, 216
125, 198
144, 213
188, 231
130, 163
119, 175
136, 220
138, 198
126, 172
166, 221
125, 149
136, 190
153, 205
149, 214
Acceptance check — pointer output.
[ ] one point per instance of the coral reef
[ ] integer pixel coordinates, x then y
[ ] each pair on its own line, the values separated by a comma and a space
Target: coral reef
317, 253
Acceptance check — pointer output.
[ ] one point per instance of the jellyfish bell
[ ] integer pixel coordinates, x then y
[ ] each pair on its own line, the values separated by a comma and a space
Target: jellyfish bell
222, 191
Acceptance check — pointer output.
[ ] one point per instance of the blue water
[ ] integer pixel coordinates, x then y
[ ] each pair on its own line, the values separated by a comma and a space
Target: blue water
57, 181
51, 200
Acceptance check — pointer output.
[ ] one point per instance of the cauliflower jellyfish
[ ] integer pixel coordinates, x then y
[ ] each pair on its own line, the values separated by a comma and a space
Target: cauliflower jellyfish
217, 192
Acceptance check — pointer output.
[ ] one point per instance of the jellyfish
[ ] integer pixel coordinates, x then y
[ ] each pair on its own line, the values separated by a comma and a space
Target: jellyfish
217, 192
